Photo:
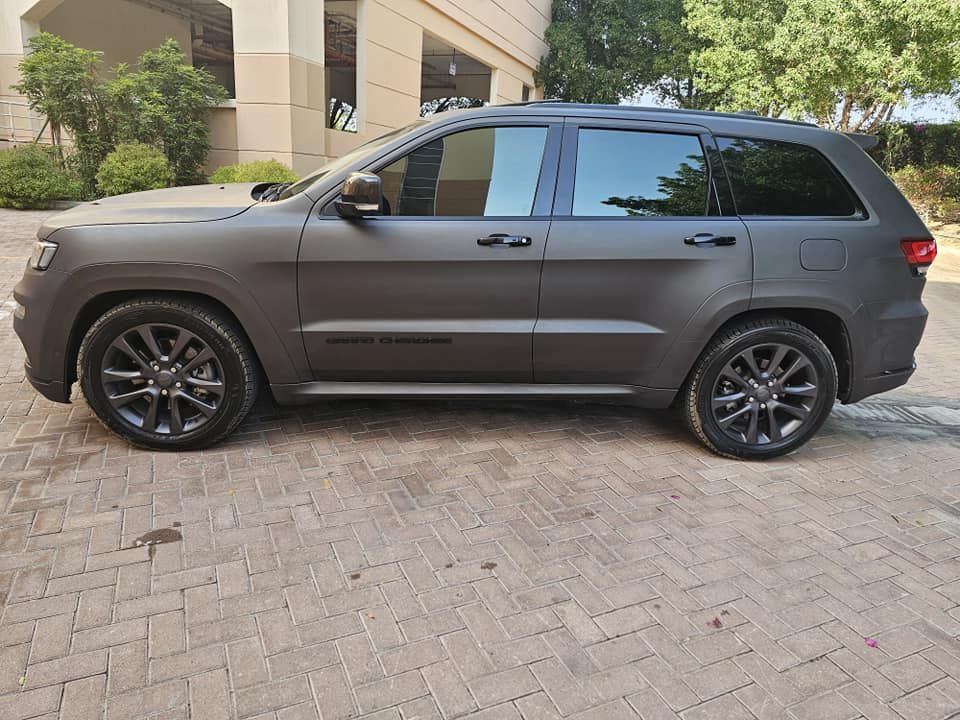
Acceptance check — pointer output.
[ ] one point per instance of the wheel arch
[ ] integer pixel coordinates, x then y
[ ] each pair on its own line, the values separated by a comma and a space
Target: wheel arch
98, 305
825, 324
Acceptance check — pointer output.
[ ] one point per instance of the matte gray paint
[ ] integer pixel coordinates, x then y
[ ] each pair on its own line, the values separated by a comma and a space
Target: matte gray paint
823, 254
611, 307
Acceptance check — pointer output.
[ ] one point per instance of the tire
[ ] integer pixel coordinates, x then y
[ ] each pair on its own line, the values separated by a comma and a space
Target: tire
188, 389
770, 410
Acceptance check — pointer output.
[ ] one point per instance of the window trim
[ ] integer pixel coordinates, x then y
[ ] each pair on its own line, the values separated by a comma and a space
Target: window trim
859, 215
546, 180
566, 184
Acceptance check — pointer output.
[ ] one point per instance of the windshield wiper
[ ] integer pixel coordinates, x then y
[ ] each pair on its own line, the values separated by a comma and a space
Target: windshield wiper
274, 191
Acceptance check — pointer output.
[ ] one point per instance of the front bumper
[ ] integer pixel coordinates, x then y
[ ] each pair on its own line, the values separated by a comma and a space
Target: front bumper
56, 390
43, 332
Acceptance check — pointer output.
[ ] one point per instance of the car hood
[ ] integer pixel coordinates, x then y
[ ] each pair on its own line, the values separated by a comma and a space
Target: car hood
198, 203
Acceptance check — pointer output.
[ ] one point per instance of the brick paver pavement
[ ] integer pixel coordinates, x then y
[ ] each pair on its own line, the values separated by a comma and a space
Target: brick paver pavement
500, 560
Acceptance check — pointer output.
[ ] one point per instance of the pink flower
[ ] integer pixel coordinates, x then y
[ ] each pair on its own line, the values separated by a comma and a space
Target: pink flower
870, 642
674, 497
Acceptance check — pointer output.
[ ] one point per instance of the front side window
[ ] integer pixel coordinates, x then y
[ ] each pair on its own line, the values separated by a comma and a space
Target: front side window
632, 173
473, 173
784, 179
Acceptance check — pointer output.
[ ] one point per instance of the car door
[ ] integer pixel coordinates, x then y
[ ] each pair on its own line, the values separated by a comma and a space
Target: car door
643, 246
444, 285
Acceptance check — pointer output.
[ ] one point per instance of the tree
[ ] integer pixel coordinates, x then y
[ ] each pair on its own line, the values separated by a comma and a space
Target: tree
848, 65
674, 50
599, 51
165, 102
61, 81
609, 50
432, 107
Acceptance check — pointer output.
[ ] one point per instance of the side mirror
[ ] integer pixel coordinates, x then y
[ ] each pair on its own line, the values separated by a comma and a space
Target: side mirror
362, 196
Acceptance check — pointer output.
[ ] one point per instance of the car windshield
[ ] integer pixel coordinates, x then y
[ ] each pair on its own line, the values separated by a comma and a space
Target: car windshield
348, 159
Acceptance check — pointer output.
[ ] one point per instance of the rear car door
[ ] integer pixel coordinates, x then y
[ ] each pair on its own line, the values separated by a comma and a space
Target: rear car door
643, 245
444, 285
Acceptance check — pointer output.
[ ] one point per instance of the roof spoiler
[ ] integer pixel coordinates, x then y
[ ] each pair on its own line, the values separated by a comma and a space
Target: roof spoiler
867, 142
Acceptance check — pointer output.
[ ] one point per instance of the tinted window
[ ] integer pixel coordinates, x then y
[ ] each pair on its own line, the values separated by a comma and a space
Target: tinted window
631, 173
487, 171
778, 178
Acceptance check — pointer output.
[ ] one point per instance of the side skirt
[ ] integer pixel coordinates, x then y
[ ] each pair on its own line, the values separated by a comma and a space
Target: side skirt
301, 393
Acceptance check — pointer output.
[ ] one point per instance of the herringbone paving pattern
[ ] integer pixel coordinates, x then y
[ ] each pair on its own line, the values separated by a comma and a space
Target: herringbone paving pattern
499, 560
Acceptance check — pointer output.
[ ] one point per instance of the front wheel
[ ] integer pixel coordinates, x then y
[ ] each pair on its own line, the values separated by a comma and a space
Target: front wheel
167, 373
761, 389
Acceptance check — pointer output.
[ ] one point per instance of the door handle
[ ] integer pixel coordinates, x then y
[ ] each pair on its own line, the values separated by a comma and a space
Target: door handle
504, 240
710, 239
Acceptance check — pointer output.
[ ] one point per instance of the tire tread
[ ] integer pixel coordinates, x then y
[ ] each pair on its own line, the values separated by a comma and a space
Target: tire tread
238, 344
719, 344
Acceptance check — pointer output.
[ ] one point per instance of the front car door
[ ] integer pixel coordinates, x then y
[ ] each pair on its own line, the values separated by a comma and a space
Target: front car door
442, 287
644, 248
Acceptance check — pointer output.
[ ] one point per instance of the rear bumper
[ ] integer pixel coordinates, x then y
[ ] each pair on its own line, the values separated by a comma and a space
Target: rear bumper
865, 387
884, 337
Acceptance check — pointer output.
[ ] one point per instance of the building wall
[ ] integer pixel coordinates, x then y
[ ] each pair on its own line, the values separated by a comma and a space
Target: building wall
279, 111
121, 30
280, 92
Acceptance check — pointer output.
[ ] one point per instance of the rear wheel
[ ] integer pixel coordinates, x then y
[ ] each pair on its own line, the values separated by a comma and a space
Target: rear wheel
760, 390
167, 373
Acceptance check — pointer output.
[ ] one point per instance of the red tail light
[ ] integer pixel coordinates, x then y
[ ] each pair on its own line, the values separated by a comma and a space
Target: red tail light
919, 251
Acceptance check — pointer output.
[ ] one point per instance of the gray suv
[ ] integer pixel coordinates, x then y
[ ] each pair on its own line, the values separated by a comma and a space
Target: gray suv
749, 271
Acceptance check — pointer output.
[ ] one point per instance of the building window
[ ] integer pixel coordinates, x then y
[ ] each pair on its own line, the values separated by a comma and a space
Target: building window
525, 95
451, 79
340, 60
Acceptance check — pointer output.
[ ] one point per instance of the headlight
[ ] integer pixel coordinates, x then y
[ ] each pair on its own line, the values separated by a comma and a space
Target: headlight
42, 256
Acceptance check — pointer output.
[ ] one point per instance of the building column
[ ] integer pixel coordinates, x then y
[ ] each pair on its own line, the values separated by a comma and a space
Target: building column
278, 60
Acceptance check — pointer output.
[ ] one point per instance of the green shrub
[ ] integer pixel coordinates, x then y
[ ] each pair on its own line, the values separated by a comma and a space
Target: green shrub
918, 144
166, 102
31, 177
933, 190
132, 168
257, 171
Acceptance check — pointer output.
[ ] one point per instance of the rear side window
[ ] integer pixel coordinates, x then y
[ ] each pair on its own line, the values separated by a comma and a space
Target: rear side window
474, 173
784, 179
631, 173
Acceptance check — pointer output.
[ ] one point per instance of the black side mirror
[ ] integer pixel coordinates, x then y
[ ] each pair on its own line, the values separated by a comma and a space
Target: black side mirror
362, 196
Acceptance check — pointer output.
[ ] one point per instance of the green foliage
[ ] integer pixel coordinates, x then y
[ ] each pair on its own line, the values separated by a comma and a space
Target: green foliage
934, 191
903, 144
61, 81
846, 64
674, 50
258, 171
132, 168
165, 102
597, 51
32, 177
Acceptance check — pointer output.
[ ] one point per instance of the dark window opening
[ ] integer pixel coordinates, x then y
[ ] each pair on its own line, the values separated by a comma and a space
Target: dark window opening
451, 79
784, 179
340, 63
631, 173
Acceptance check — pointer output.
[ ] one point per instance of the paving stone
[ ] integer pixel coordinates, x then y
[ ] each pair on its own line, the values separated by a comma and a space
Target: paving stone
441, 559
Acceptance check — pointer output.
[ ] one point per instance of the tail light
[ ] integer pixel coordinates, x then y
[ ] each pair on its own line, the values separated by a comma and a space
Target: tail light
920, 252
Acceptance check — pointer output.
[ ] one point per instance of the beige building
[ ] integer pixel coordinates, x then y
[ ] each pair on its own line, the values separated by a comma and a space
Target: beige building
308, 79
